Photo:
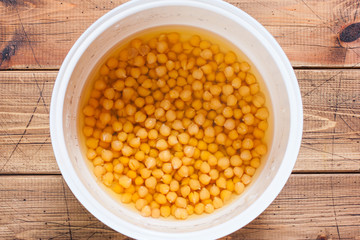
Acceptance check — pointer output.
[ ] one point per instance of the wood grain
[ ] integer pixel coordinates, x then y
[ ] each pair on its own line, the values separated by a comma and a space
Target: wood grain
331, 120
35, 202
331, 126
38, 34
24, 122
42, 207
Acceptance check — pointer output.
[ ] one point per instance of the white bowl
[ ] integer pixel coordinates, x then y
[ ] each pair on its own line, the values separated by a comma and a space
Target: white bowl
261, 50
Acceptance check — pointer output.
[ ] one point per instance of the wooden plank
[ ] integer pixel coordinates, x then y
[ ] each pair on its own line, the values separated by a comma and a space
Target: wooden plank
331, 127
42, 207
24, 122
309, 30
331, 120
38, 34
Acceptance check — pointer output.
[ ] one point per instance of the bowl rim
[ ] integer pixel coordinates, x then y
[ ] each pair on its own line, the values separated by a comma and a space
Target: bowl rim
86, 199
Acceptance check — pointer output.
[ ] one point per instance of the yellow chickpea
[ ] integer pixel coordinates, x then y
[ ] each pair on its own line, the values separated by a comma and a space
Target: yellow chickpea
161, 144
139, 116
262, 113
174, 185
255, 162
183, 171
173, 140
209, 208
229, 124
199, 208
199, 119
189, 151
150, 162
198, 74
204, 194
245, 155
209, 132
205, 179
165, 211
171, 197
150, 123
246, 179
230, 58
125, 181
150, 182
107, 155
165, 155
231, 100
161, 46
227, 112
195, 40
161, 71
183, 138
261, 149
224, 162
170, 115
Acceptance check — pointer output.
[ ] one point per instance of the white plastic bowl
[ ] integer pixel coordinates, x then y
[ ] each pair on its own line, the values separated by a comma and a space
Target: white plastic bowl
212, 15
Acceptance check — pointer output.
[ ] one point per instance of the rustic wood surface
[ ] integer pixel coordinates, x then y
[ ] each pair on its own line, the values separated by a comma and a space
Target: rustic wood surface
37, 34
42, 207
321, 199
331, 121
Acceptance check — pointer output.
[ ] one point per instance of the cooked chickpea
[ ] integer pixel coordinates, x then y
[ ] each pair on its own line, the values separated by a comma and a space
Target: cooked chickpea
199, 119
183, 171
230, 58
229, 124
173, 140
204, 194
165, 155
170, 115
183, 138
193, 129
209, 132
231, 100
198, 74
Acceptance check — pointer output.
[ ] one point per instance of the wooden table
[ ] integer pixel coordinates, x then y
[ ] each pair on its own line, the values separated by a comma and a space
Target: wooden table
322, 197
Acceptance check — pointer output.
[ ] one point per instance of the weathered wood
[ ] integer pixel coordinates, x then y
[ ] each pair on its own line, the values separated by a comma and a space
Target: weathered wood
331, 120
331, 127
35, 207
38, 34
24, 122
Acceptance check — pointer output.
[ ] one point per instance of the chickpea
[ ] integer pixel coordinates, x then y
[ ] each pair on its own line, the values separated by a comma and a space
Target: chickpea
199, 119
189, 151
161, 46
262, 113
209, 132
173, 140
229, 124
170, 115
165, 155
204, 194
198, 74
193, 129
